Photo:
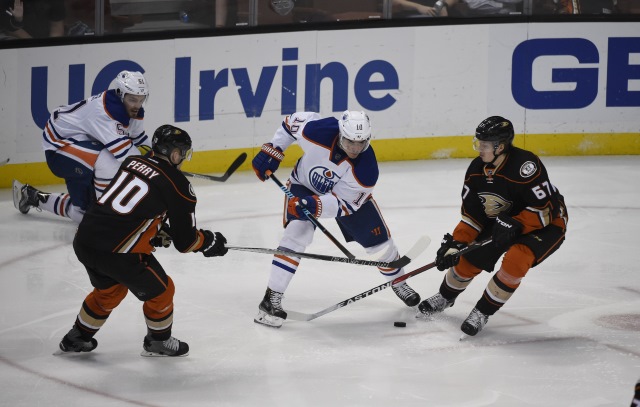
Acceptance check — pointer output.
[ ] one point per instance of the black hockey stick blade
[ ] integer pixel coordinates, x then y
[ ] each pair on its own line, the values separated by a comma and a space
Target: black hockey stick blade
420, 246
300, 316
232, 168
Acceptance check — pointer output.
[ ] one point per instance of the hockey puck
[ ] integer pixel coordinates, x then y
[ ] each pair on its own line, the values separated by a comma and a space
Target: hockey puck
399, 324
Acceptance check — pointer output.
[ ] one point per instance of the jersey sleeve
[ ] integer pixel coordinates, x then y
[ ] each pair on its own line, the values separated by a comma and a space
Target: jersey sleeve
540, 197
291, 129
181, 213
465, 233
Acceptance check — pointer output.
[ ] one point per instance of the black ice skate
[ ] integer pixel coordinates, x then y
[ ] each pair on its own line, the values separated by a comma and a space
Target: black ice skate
270, 310
25, 196
170, 347
73, 342
474, 322
434, 305
406, 294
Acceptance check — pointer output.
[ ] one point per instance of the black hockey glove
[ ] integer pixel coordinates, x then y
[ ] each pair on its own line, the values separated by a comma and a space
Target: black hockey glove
505, 231
162, 239
446, 256
268, 159
213, 244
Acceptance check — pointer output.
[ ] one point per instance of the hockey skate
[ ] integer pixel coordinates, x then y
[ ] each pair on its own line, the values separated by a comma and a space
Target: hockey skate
406, 294
270, 312
433, 305
25, 196
474, 322
73, 342
170, 347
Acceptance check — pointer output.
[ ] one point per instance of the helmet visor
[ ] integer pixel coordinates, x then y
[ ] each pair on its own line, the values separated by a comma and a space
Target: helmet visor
186, 154
353, 147
483, 146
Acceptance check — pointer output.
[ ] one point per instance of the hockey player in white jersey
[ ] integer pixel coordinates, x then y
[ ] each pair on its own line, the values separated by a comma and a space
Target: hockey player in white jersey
334, 178
85, 143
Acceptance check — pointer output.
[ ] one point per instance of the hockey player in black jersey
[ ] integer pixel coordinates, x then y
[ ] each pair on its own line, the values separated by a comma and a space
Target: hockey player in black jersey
148, 203
506, 196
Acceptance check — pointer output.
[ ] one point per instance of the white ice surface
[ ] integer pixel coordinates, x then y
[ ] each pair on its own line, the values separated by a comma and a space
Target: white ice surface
570, 335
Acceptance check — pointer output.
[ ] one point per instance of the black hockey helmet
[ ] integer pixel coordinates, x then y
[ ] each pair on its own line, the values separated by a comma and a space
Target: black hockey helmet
497, 129
168, 137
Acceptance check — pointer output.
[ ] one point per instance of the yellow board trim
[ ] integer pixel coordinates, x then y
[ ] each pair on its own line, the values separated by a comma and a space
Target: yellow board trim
424, 148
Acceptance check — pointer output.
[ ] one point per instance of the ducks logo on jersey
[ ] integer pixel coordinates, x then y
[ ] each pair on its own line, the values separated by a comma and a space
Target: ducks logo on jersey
494, 204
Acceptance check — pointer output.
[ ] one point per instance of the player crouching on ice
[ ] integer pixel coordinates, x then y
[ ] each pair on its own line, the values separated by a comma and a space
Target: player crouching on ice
116, 238
86, 142
506, 196
334, 178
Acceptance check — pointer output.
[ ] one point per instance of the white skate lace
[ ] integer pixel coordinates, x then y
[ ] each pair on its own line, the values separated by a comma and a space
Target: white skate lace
276, 299
476, 319
437, 302
403, 290
172, 343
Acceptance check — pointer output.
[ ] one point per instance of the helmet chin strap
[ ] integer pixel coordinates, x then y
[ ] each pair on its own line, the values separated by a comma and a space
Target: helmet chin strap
495, 156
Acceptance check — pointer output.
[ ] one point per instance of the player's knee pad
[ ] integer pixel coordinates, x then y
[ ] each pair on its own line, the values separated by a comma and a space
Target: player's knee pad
104, 301
297, 235
465, 269
388, 251
161, 305
516, 263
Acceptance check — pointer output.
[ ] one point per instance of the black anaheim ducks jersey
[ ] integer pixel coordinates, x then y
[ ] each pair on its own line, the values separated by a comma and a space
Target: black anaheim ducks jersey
145, 191
519, 187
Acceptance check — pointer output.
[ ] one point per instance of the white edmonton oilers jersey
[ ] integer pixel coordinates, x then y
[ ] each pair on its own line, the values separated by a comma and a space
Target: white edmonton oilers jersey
101, 118
343, 184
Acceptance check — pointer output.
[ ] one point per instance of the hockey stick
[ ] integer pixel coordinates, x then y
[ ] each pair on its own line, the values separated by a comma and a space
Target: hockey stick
311, 217
420, 246
299, 316
232, 168
4, 162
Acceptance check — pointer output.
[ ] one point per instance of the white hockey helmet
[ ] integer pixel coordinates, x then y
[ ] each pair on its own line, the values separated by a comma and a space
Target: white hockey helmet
130, 82
355, 125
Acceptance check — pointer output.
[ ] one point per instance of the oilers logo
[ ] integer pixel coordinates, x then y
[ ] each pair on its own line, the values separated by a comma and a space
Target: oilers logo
322, 179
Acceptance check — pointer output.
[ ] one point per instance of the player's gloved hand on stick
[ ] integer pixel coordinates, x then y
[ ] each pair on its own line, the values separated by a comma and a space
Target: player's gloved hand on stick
268, 159
214, 244
312, 203
446, 256
162, 239
505, 231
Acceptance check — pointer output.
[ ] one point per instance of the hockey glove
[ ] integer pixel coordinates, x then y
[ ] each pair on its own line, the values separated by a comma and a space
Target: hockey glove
446, 256
162, 239
505, 231
268, 159
311, 203
213, 244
